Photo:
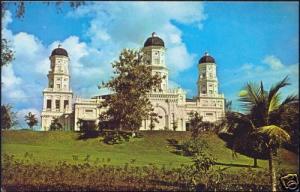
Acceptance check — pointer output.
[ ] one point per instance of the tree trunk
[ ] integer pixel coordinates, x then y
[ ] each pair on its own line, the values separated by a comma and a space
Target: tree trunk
254, 162
272, 172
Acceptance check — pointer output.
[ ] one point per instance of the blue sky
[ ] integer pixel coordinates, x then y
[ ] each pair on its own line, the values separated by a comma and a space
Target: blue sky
250, 41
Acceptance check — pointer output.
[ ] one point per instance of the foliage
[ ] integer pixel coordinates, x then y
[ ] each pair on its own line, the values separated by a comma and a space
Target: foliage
197, 124
275, 135
242, 137
20, 6
86, 126
7, 54
193, 147
112, 137
153, 119
129, 105
8, 117
17, 175
31, 120
174, 125
202, 173
55, 125
62, 145
289, 121
263, 108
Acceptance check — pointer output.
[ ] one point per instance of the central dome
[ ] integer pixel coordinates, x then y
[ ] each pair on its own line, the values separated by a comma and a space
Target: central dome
154, 41
59, 51
207, 59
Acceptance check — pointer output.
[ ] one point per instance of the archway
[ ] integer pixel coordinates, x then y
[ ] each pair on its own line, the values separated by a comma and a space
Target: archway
162, 118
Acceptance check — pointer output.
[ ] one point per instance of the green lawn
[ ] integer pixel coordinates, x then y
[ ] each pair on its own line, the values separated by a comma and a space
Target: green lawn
153, 148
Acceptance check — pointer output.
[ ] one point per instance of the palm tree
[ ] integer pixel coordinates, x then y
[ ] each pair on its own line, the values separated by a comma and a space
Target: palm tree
240, 135
31, 120
263, 108
274, 137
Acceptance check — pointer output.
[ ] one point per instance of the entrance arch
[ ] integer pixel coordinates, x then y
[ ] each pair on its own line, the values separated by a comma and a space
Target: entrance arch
162, 118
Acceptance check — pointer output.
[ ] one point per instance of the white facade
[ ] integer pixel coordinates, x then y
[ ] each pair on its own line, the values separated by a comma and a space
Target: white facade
57, 97
171, 105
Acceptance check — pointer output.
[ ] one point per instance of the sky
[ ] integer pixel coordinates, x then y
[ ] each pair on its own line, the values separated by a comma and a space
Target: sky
250, 41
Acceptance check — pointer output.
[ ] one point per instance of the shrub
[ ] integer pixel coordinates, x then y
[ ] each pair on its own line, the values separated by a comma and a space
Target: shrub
193, 147
18, 175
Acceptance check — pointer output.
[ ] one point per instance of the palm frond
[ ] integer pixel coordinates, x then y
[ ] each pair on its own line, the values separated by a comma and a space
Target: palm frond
290, 99
274, 103
275, 88
276, 134
251, 97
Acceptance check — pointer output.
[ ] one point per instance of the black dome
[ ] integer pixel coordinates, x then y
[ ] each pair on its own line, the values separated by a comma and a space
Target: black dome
154, 41
207, 59
59, 51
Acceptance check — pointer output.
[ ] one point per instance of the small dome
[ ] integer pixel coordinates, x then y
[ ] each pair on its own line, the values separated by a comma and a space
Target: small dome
207, 59
59, 51
154, 41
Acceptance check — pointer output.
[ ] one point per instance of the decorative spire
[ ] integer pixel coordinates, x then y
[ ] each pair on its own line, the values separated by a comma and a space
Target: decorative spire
59, 45
153, 34
206, 53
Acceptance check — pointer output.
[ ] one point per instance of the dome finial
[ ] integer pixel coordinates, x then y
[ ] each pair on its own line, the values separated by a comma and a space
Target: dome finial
154, 40
59, 45
206, 53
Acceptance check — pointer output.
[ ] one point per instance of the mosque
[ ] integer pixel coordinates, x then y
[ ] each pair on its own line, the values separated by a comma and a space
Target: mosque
171, 105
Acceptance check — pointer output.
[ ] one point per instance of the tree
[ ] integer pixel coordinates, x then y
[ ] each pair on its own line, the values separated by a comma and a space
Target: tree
55, 125
263, 108
8, 117
7, 54
86, 126
175, 125
241, 136
129, 104
195, 123
274, 138
153, 119
289, 121
31, 120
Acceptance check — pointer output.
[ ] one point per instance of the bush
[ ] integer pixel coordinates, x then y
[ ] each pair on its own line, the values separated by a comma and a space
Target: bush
193, 147
116, 137
17, 175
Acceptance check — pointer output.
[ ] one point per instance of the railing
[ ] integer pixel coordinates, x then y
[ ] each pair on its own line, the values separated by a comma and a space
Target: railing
212, 95
89, 101
57, 89
169, 91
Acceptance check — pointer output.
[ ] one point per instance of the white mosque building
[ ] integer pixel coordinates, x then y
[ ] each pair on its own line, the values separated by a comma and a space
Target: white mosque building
171, 105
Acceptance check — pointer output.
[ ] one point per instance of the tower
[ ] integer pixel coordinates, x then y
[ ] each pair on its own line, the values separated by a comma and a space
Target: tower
57, 97
154, 55
207, 80
211, 102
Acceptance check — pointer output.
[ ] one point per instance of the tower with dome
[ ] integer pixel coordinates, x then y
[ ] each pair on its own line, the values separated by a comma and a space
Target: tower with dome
57, 97
171, 105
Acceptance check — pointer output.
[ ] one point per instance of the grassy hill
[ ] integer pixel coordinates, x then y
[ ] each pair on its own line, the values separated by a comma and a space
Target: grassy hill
153, 148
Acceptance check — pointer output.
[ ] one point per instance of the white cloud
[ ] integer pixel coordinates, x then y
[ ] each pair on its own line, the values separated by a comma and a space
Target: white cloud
180, 58
273, 62
115, 26
268, 73
9, 78
7, 19
112, 27
25, 78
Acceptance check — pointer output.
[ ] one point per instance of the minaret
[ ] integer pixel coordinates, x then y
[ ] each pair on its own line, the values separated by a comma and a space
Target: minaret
154, 54
207, 81
57, 101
